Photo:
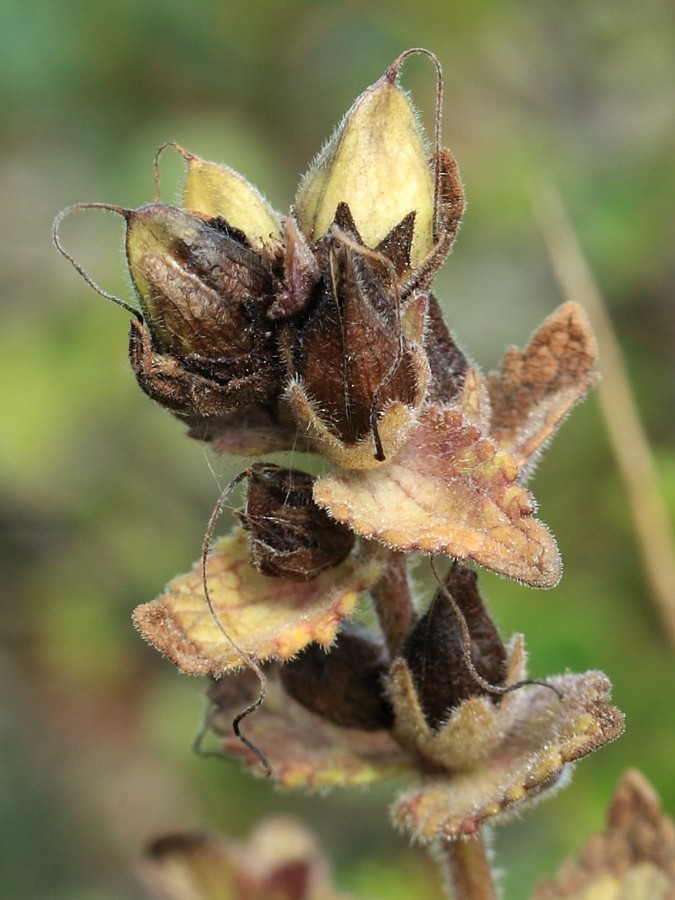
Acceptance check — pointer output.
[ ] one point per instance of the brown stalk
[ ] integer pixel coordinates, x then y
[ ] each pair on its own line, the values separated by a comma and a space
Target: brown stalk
466, 868
393, 602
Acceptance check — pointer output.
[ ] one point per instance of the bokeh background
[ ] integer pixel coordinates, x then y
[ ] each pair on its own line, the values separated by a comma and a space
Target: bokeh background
104, 498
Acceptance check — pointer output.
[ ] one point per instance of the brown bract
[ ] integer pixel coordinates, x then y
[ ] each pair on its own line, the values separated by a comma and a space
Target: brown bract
634, 858
536, 388
437, 647
357, 361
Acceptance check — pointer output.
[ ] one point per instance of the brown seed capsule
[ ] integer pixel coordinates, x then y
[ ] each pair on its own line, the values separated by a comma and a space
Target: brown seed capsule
344, 685
350, 352
200, 285
289, 535
206, 346
435, 653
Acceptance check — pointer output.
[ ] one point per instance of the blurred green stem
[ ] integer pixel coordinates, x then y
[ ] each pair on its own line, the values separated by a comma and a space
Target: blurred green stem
630, 444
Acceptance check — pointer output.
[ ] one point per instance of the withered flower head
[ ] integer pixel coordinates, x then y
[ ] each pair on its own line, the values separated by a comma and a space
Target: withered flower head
280, 861
205, 348
382, 217
489, 741
318, 332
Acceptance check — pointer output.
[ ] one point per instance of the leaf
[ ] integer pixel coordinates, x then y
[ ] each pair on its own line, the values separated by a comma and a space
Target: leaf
304, 750
536, 388
540, 735
257, 617
451, 490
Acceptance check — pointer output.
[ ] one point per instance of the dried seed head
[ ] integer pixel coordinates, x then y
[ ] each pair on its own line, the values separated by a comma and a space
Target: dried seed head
200, 285
355, 353
289, 535
376, 163
436, 654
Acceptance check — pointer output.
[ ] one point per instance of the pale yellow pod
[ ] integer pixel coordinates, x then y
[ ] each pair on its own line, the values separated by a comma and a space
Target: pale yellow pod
217, 190
376, 162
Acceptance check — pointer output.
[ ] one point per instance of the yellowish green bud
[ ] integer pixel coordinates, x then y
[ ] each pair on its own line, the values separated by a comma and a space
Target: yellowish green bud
376, 163
217, 190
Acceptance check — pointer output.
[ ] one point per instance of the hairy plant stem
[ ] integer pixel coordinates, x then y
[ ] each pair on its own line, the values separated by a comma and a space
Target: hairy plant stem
393, 601
466, 868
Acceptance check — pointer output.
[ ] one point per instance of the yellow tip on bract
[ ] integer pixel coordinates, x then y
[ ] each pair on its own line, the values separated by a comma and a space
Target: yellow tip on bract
376, 163
217, 190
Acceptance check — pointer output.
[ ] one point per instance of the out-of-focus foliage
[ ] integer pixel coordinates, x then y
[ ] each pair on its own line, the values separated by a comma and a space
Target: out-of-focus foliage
103, 497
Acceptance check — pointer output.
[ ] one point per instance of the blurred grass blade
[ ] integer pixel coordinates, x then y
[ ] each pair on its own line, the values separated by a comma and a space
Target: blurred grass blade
627, 436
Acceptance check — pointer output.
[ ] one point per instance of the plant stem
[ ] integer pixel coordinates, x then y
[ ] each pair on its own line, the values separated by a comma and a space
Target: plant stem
393, 602
466, 868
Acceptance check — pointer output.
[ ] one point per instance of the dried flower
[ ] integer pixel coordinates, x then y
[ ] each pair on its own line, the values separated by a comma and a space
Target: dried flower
480, 742
317, 332
634, 858
280, 860
289, 535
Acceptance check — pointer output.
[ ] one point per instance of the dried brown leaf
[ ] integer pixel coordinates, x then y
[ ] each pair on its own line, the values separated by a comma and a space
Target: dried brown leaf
304, 750
451, 490
537, 387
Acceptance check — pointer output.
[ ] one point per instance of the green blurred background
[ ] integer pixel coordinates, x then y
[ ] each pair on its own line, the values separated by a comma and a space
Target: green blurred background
104, 498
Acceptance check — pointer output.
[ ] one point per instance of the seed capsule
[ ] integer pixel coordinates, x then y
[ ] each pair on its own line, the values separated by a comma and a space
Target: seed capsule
289, 535
200, 286
216, 190
435, 652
